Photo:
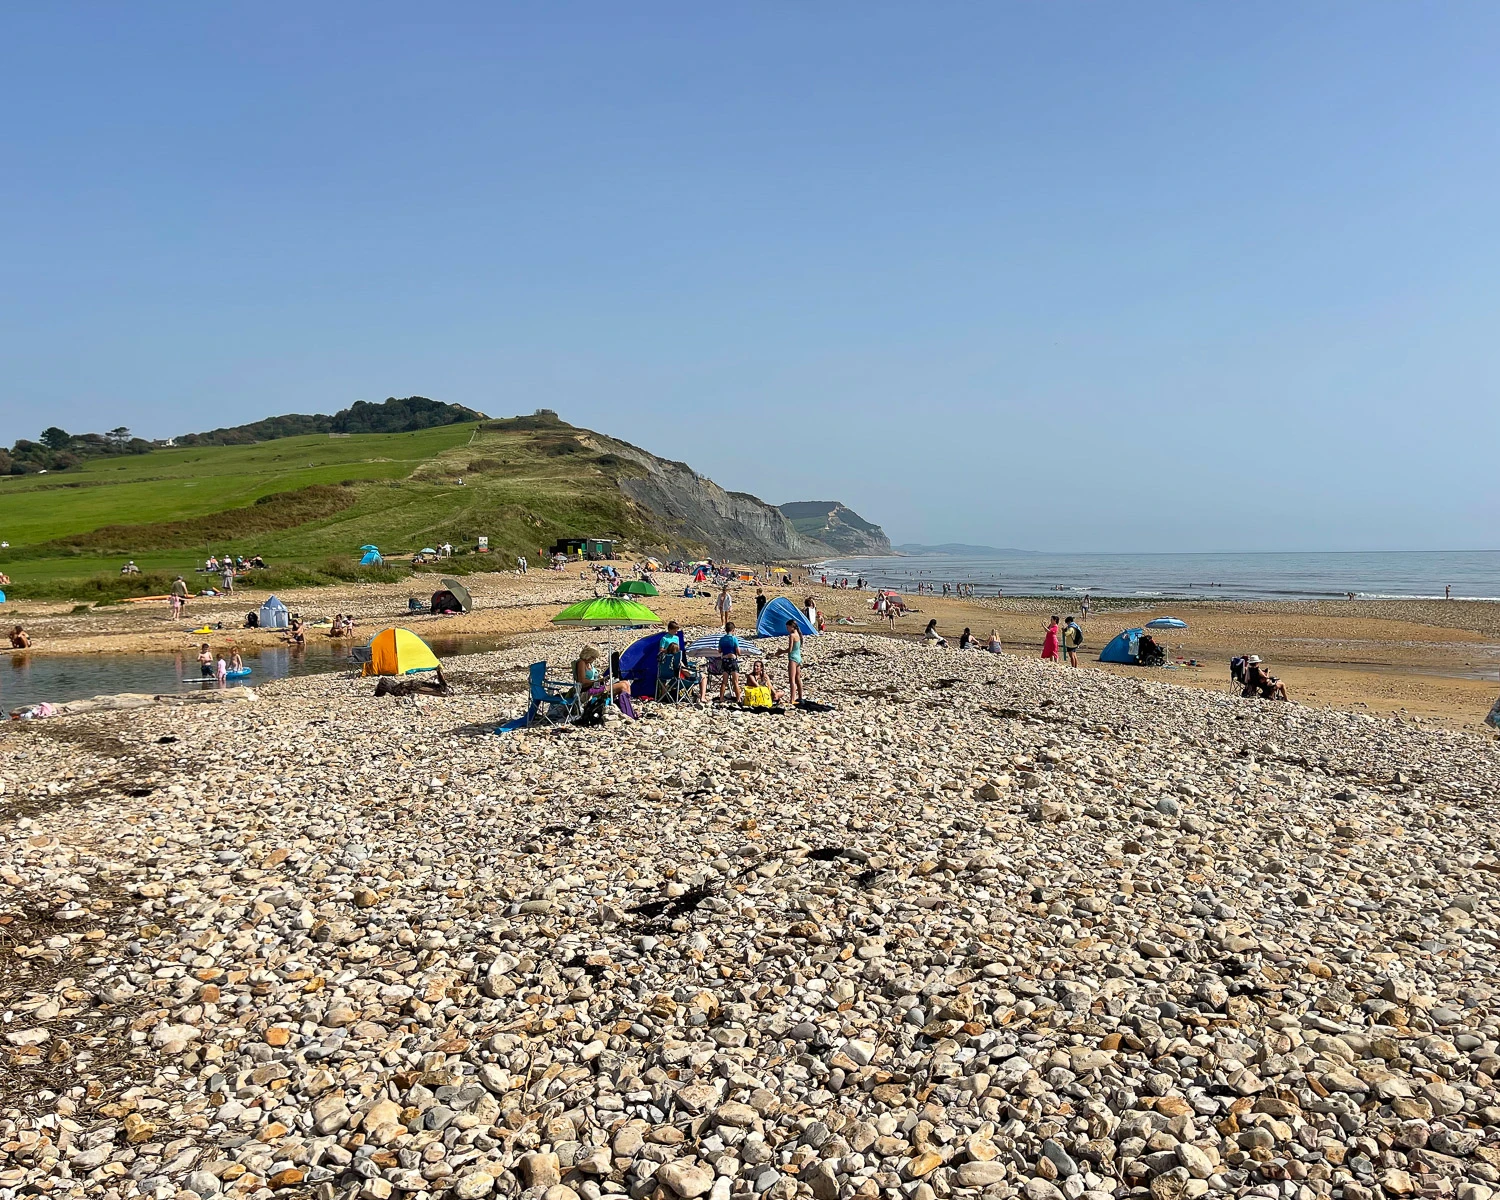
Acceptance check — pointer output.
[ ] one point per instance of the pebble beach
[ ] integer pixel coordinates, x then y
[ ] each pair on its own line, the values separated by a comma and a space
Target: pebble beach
989, 928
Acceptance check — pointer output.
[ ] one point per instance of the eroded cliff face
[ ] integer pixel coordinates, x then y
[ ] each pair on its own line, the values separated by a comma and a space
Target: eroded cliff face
836, 525
696, 515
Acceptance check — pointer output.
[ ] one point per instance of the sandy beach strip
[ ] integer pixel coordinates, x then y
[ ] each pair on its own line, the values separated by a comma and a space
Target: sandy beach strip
1431, 659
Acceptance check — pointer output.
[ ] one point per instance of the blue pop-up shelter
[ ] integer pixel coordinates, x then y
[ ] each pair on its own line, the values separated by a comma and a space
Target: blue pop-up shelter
1125, 648
776, 614
638, 663
372, 558
272, 614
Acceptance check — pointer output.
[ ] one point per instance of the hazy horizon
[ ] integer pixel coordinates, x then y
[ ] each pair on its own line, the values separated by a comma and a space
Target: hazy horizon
1187, 278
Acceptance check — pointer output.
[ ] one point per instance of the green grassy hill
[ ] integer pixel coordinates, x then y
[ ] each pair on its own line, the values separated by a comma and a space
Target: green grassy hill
307, 503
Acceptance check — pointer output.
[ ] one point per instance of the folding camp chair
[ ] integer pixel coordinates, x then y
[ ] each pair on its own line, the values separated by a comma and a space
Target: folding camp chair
553, 701
671, 686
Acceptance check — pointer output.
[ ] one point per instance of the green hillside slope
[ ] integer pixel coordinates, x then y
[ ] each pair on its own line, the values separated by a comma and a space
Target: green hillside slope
310, 502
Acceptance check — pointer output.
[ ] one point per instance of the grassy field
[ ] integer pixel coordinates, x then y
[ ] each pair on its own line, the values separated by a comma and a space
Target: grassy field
171, 485
309, 503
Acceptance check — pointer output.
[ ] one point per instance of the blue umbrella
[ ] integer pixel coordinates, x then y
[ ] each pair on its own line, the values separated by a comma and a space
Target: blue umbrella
1166, 623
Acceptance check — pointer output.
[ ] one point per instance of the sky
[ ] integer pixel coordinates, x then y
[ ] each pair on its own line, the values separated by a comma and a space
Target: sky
1065, 276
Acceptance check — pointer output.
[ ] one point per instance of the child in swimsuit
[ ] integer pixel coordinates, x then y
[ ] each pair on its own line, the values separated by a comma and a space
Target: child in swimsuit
793, 663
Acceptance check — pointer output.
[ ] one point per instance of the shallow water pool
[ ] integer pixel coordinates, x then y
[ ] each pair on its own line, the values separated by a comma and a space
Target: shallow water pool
30, 678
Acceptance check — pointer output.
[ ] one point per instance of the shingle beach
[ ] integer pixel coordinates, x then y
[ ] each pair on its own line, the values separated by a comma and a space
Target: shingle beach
989, 928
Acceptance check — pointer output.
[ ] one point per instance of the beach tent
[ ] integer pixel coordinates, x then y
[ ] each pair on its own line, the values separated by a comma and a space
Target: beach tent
1493, 719
372, 558
460, 593
398, 652
273, 614
776, 614
1125, 648
638, 663
607, 610
444, 601
1167, 623
637, 587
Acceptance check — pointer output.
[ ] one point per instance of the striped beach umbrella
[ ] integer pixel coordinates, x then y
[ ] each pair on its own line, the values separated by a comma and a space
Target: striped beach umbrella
708, 647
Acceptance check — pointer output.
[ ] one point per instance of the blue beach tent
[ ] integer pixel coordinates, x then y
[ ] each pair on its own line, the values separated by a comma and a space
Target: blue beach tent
272, 614
776, 614
372, 559
1125, 648
638, 663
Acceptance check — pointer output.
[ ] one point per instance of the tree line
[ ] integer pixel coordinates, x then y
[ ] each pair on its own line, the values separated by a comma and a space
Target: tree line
57, 450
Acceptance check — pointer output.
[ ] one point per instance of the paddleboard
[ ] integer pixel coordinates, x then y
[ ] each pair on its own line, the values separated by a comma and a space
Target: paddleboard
244, 673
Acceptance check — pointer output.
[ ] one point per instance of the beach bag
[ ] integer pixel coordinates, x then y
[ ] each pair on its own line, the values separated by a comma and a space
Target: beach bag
757, 697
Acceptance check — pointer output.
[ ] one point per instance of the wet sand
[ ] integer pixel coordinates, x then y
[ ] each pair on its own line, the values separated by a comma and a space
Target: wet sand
1426, 659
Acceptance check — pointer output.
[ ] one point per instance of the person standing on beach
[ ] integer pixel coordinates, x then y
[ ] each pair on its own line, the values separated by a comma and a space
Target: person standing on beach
1072, 638
178, 597
1049, 642
794, 663
1448, 591
723, 604
1083, 606
760, 603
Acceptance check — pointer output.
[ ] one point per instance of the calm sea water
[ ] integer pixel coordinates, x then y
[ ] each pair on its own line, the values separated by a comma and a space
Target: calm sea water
1473, 575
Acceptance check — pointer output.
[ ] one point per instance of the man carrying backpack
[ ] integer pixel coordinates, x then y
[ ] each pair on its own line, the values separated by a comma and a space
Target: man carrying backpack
1072, 638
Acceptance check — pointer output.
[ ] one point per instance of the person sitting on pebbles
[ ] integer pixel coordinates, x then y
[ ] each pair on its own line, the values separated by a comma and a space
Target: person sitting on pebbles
587, 676
19, 639
932, 637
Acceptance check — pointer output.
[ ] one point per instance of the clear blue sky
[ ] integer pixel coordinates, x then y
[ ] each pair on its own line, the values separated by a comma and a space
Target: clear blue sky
1166, 276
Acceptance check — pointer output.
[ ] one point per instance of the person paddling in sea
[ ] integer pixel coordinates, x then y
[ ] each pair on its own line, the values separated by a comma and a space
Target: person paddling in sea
1049, 642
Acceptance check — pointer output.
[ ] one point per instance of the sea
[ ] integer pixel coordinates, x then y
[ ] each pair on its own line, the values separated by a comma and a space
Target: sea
1370, 575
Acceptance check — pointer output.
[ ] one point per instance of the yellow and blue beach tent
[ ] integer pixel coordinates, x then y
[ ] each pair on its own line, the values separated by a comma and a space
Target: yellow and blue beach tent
398, 652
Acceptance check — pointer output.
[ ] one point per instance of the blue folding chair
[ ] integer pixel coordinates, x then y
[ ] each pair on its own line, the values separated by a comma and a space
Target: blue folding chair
553, 701
673, 683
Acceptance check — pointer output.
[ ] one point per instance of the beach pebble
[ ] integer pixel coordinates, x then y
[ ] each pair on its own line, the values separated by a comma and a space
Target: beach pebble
1006, 929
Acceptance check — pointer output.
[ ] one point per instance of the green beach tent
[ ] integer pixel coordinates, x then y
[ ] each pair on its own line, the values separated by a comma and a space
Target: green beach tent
637, 587
609, 610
